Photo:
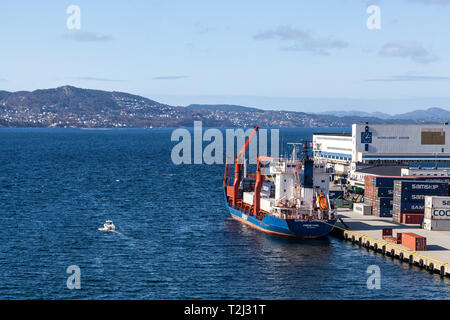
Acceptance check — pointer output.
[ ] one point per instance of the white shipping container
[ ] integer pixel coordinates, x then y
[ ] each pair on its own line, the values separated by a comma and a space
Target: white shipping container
265, 204
436, 225
437, 202
362, 208
437, 213
248, 198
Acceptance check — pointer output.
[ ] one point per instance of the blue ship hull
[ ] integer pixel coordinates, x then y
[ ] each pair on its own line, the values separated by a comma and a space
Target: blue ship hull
285, 227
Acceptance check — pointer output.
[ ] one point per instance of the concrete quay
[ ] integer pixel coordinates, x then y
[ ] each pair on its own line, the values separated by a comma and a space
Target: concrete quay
366, 231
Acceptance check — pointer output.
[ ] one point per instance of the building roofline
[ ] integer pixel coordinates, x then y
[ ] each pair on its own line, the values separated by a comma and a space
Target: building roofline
343, 134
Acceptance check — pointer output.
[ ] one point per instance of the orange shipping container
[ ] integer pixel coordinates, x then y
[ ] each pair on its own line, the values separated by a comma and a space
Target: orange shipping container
414, 241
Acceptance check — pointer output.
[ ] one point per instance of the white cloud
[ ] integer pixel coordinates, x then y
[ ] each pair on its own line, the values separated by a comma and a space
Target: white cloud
170, 77
439, 2
98, 79
81, 36
300, 40
403, 78
413, 50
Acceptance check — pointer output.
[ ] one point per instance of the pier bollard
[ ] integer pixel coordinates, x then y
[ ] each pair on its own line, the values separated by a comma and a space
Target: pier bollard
353, 239
375, 247
393, 253
442, 271
421, 263
368, 245
383, 249
360, 241
400, 256
411, 259
346, 236
431, 267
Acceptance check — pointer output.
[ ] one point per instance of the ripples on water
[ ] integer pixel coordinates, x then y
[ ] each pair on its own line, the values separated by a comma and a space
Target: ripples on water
175, 239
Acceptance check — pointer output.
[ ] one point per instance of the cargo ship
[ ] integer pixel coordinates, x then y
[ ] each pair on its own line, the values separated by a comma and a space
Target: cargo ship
290, 199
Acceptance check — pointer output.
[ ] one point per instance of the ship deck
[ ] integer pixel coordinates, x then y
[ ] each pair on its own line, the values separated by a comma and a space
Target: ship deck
367, 231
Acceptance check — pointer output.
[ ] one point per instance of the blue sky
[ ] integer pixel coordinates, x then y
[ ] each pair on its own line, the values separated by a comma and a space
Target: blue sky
293, 55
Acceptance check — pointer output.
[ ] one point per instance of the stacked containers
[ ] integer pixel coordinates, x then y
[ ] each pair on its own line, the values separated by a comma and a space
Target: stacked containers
248, 184
437, 213
409, 198
379, 195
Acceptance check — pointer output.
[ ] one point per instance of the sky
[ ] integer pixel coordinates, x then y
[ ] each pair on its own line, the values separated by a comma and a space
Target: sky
309, 56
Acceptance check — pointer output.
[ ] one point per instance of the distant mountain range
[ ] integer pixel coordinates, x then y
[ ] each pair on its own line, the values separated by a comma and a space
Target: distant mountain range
222, 107
69, 106
430, 114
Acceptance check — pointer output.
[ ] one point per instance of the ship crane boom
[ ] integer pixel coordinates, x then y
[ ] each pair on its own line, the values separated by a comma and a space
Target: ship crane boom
233, 191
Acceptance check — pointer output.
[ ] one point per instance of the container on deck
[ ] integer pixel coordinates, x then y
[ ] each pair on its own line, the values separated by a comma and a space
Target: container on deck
414, 241
268, 189
248, 184
265, 204
248, 197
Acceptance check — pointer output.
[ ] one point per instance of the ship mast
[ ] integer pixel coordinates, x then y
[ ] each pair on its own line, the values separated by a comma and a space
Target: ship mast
294, 149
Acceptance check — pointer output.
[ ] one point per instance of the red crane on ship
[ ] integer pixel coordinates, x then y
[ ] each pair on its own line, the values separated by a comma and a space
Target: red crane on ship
233, 191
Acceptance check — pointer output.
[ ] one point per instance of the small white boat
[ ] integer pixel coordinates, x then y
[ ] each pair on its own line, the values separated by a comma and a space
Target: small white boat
108, 226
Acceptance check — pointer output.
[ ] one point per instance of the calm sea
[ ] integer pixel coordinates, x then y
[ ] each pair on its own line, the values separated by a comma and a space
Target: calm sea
175, 239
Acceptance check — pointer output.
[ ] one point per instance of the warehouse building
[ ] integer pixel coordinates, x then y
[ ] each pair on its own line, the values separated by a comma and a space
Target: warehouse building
384, 143
334, 148
419, 147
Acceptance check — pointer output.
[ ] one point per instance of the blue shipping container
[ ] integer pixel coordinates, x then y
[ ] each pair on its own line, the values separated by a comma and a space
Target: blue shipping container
384, 202
422, 187
384, 192
411, 207
382, 212
268, 189
414, 197
388, 182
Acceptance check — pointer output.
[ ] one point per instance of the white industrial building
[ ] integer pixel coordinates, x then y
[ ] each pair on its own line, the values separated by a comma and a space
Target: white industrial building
427, 146
334, 148
385, 142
